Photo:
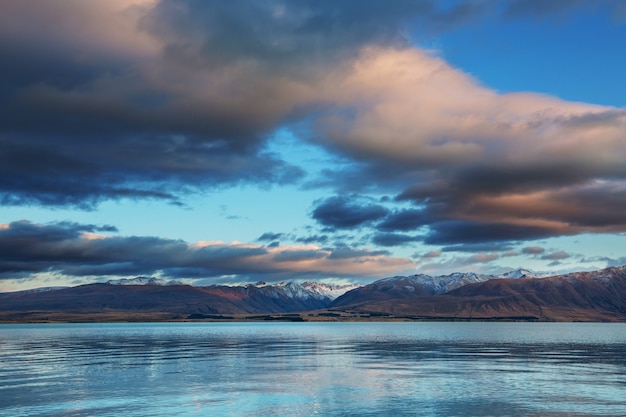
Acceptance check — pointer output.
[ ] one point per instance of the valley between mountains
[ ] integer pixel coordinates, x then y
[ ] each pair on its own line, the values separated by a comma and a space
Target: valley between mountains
518, 295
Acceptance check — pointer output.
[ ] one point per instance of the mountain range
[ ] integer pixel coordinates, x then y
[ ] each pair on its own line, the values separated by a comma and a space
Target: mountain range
517, 295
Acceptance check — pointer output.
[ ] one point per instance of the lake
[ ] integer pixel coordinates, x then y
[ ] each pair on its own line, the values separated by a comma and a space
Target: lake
303, 369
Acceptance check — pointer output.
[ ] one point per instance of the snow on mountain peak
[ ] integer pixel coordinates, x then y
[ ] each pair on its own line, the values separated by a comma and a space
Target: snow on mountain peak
305, 290
523, 273
440, 284
143, 281
329, 291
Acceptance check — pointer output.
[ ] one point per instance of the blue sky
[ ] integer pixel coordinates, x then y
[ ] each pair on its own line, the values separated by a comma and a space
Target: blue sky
230, 142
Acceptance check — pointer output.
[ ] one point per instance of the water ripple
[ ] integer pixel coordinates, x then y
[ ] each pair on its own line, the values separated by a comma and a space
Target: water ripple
302, 369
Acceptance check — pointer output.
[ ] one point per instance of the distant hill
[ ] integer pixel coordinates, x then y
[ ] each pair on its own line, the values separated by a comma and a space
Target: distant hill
148, 295
420, 285
584, 296
521, 295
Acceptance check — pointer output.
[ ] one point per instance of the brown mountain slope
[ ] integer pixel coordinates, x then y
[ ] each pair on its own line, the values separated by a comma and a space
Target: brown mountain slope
585, 296
179, 299
384, 290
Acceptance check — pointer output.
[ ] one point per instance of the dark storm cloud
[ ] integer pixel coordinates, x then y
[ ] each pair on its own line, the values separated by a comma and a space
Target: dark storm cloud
467, 232
151, 101
393, 239
347, 212
141, 100
70, 249
476, 208
64, 248
404, 220
55, 232
532, 202
278, 33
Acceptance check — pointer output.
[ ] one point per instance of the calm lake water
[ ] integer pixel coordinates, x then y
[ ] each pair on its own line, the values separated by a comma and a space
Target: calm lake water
304, 369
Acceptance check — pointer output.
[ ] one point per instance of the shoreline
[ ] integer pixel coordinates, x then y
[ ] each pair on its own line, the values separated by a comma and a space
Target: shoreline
43, 317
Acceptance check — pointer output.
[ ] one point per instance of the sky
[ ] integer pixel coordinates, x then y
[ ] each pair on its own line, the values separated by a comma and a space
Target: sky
229, 142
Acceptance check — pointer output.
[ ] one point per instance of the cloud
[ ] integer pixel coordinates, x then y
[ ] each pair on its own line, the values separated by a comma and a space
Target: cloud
478, 247
148, 99
75, 250
483, 258
480, 166
533, 250
404, 220
299, 255
480, 232
320, 239
428, 255
393, 239
478, 263
269, 237
341, 212
556, 256
157, 99
605, 261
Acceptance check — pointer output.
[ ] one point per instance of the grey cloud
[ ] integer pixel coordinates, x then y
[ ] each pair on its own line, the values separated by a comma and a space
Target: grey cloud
276, 33
269, 236
608, 261
299, 255
427, 255
346, 252
75, 250
564, 199
533, 250
146, 101
404, 220
60, 247
468, 232
189, 98
478, 247
556, 256
55, 232
346, 212
319, 239
182, 97
394, 239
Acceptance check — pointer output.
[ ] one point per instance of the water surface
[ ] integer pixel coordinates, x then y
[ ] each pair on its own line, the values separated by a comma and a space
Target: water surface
303, 369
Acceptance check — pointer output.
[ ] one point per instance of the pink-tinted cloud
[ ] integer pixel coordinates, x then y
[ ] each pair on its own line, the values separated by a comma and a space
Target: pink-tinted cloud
89, 252
191, 92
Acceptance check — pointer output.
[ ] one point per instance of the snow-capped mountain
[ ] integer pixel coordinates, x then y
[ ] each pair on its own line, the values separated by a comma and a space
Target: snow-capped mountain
39, 290
143, 281
440, 284
577, 296
435, 284
419, 284
580, 296
328, 291
524, 273
306, 290
405, 287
